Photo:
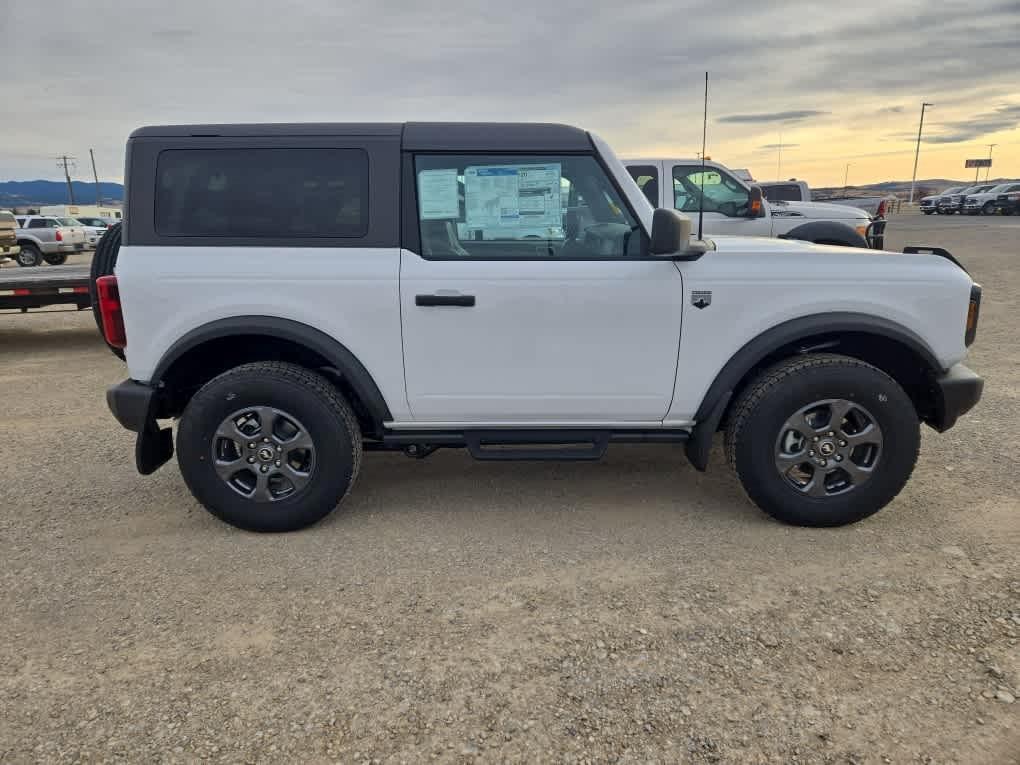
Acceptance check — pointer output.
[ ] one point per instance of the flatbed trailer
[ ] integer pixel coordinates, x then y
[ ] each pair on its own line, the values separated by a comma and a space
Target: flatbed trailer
24, 288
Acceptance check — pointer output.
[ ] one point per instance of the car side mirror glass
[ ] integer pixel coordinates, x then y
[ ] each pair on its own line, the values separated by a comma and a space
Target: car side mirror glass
755, 206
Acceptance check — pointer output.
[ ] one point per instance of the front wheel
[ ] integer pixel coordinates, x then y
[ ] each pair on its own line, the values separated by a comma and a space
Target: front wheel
269, 446
988, 208
928, 212
823, 440
56, 259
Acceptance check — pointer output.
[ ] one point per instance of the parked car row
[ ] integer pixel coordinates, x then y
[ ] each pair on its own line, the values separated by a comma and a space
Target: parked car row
984, 199
49, 238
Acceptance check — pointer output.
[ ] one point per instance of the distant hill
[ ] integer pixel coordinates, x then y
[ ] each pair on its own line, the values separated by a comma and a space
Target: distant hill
20, 193
900, 188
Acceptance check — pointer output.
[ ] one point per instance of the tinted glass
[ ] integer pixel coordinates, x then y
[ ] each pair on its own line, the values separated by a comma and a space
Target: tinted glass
68, 222
783, 192
268, 193
521, 206
39, 223
647, 179
722, 193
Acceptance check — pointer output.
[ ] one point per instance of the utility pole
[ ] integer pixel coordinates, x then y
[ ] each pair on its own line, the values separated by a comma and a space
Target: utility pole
64, 161
846, 174
917, 153
989, 168
95, 175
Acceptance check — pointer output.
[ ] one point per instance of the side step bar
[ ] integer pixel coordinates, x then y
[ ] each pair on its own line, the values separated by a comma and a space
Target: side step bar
531, 444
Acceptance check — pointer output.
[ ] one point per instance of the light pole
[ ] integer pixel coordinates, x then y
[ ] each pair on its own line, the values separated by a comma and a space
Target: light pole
846, 174
917, 153
989, 168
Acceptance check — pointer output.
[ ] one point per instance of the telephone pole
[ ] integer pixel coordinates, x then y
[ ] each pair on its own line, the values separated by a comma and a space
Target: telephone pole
65, 162
989, 168
846, 174
917, 153
95, 175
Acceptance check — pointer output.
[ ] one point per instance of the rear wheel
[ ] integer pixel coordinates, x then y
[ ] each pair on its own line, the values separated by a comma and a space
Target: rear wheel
928, 212
56, 259
269, 447
29, 256
823, 440
988, 208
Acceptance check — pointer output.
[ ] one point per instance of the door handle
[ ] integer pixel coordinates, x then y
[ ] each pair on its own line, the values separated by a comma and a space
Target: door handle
459, 301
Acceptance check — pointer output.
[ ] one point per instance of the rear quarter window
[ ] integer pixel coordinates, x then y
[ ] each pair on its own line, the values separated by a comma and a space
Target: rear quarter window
269, 193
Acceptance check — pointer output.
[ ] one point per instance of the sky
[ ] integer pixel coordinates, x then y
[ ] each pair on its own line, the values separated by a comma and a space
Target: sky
835, 84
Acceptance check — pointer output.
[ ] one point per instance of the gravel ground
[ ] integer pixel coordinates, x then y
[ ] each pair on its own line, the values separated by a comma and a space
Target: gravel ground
630, 610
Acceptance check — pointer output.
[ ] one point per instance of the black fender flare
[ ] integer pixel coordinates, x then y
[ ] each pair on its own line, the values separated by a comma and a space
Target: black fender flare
333, 351
713, 406
827, 231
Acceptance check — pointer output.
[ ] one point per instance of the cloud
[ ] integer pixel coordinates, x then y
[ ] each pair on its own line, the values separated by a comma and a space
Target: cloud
1005, 117
794, 115
774, 146
890, 110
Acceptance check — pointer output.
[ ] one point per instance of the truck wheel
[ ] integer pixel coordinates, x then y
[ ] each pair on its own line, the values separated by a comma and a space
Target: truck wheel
29, 256
103, 261
269, 446
823, 440
928, 212
56, 259
988, 208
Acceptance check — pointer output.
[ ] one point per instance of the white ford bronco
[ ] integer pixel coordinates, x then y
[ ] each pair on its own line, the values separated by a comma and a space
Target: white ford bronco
296, 295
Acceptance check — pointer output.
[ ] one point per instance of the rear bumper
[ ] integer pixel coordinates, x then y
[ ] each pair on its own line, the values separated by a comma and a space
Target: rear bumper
956, 393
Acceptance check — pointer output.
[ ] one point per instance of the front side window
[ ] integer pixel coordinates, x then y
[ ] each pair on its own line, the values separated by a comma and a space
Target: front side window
68, 222
491, 206
41, 223
647, 179
262, 193
722, 193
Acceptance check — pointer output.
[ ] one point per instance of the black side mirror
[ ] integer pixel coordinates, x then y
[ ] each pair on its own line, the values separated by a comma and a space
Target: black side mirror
755, 208
670, 233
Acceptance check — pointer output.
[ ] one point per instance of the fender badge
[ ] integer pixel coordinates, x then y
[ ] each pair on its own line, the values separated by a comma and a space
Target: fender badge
701, 298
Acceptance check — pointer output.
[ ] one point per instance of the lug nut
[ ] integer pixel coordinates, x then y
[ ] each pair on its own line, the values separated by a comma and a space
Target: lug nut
811, 453
266, 439
815, 439
831, 433
251, 445
842, 443
839, 458
279, 448
823, 462
278, 463
251, 460
265, 468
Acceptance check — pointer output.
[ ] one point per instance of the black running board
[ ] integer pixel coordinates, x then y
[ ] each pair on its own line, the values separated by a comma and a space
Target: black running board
537, 444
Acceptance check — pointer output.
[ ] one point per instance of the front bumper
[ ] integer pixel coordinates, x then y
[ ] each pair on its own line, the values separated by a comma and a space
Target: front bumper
10, 251
136, 406
956, 392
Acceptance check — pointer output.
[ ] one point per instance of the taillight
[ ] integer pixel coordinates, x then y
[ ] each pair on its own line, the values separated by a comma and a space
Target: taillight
881, 209
60, 235
110, 311
973, 312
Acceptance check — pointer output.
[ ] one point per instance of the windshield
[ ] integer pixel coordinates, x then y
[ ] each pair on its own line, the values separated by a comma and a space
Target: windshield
68, 222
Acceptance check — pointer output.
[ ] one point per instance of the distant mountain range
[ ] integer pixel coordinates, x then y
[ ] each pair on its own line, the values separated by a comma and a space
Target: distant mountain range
25, 193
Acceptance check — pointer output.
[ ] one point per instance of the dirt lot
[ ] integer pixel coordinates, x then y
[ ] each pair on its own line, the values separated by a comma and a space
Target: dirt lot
630, 610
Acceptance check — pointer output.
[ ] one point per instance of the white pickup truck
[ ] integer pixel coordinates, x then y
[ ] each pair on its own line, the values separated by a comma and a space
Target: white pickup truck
731, 206
48, 238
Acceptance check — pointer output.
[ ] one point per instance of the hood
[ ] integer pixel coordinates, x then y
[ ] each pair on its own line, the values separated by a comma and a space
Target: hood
817, 211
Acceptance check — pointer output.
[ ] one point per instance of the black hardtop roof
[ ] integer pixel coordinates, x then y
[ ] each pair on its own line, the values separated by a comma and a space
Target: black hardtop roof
416, 136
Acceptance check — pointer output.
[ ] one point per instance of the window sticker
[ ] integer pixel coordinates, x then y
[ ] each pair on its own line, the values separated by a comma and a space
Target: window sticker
513, 196
438, 194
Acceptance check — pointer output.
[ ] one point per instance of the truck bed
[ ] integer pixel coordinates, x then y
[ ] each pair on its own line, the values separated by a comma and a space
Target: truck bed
25, 288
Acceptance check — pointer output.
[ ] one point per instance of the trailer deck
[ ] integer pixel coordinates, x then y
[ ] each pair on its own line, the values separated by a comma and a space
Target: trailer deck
24, 288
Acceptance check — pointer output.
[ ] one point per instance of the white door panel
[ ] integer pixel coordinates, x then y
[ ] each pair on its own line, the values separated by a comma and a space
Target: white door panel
546, 340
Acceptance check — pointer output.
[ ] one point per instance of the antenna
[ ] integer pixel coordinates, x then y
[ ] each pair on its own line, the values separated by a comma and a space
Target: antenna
704, 134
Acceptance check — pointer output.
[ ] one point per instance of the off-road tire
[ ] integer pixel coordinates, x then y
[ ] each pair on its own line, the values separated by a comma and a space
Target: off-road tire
103, 261
306, 395
758, 416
